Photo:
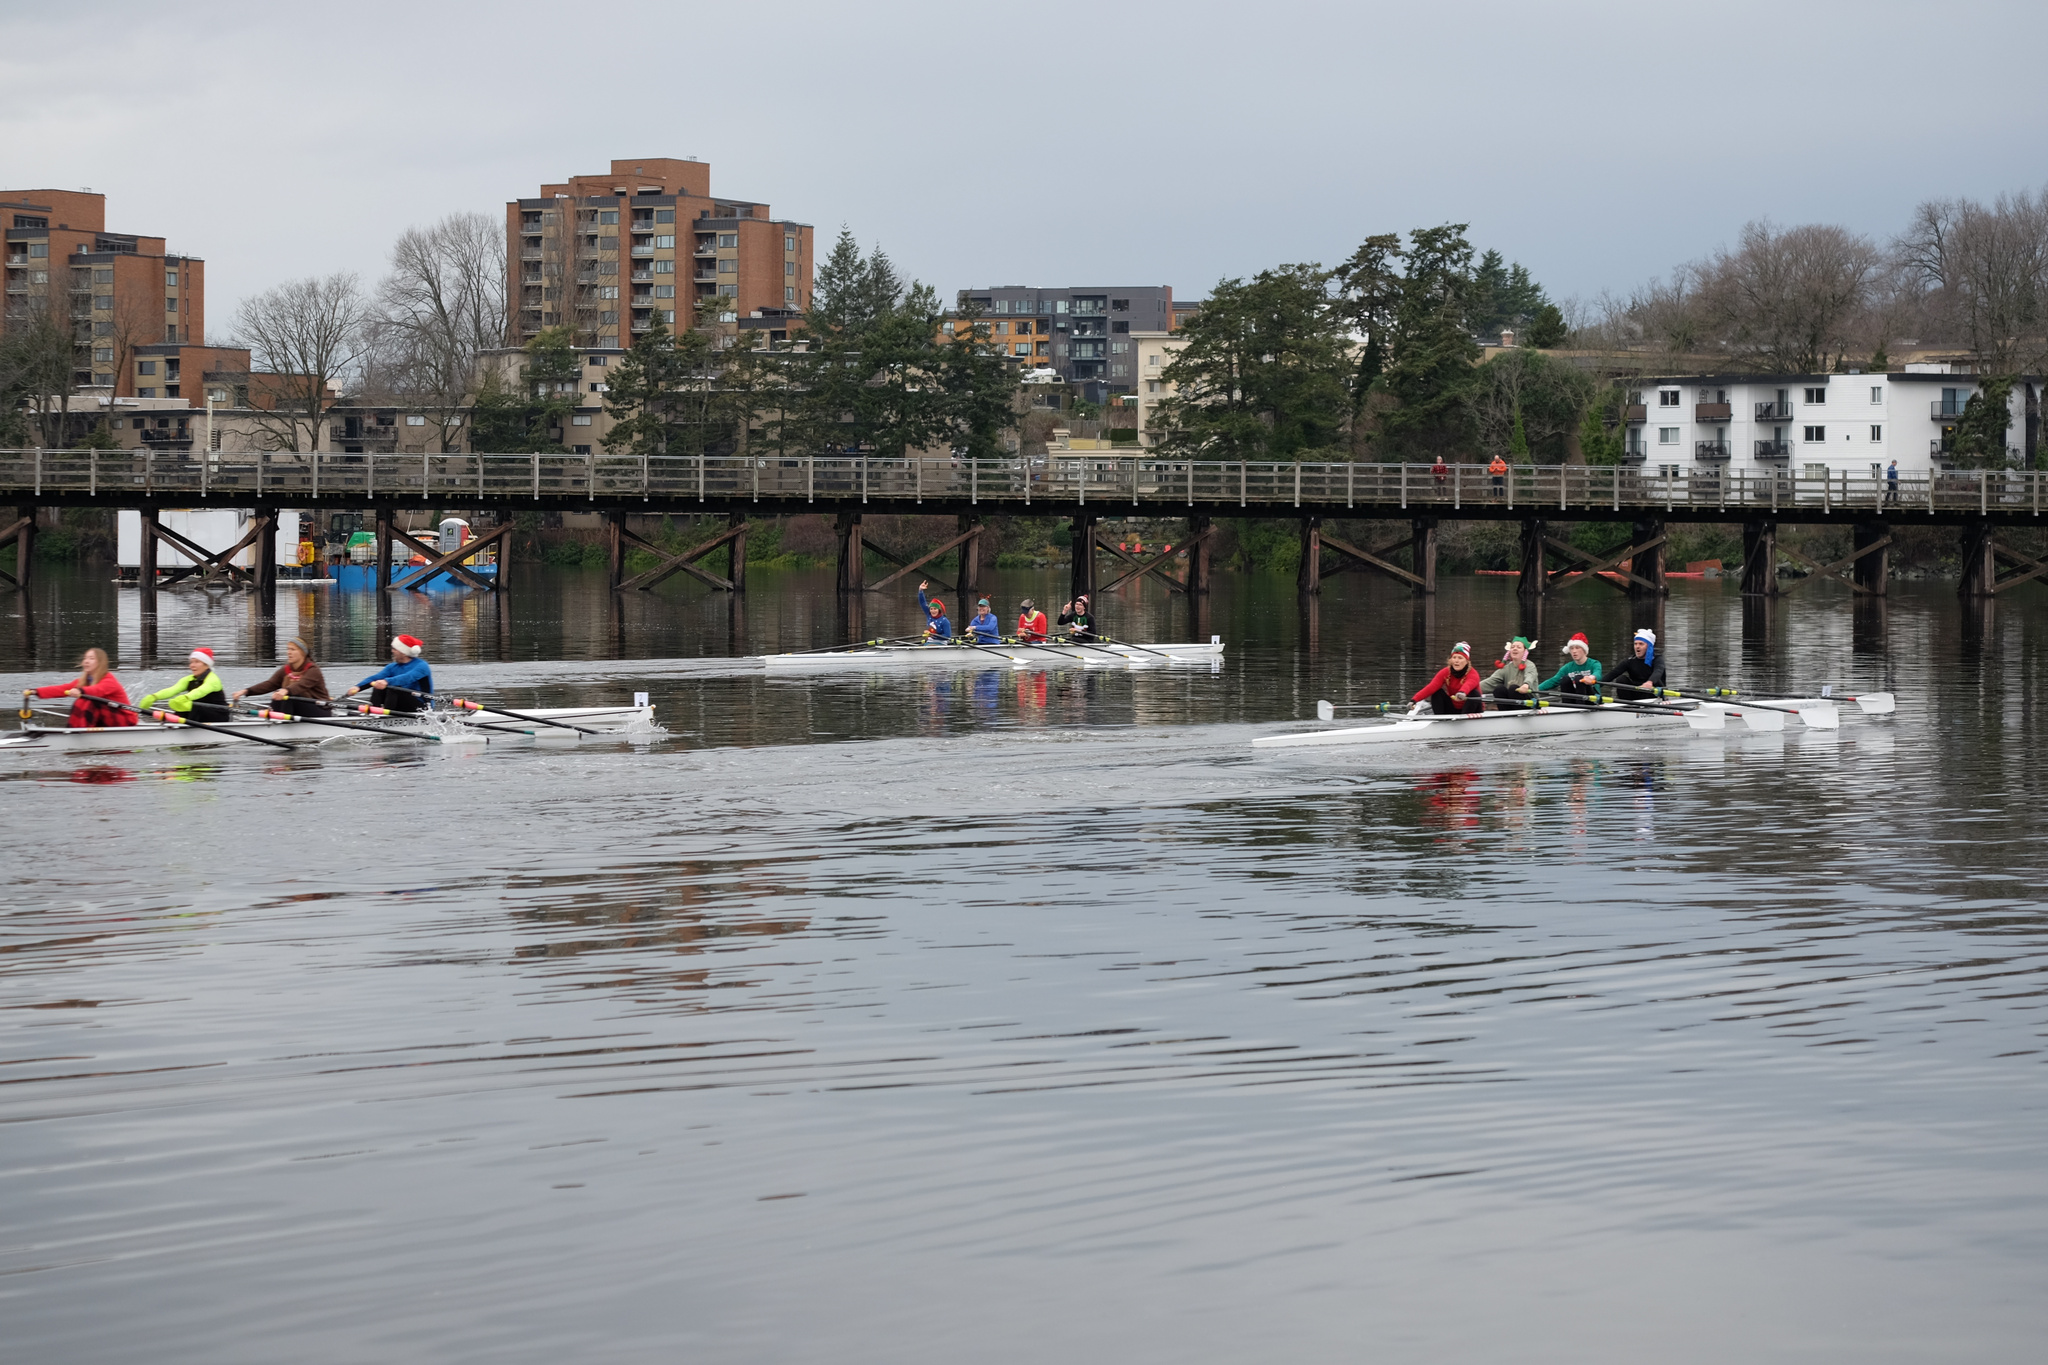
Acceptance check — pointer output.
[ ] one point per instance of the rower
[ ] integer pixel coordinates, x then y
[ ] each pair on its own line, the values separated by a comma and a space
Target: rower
404, 684
983, 628
936, 626
1454, 691
199, 695
100, 700
1080, 625
298, 686
1512, 685
1642, 674
1031, 623
1579, 678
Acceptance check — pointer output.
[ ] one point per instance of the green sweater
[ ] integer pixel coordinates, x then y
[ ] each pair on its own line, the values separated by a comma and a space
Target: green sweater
180, 695
1557, 680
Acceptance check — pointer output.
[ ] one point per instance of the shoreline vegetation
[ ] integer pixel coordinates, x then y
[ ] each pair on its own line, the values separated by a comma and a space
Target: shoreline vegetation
1247, 545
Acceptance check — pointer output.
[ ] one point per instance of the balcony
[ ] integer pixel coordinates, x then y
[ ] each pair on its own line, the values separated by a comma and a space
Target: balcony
1635, 454
166, 438
1713, 412
706, 246
643, 324
643, 277
1635, 412
643, 300
1773, 412
529, 255
643, 252
705, 277
1773, 450
1711, 450
1942, 410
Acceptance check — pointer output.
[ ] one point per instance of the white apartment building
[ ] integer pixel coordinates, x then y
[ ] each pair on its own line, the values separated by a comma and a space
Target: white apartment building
1806, 424
1153, 352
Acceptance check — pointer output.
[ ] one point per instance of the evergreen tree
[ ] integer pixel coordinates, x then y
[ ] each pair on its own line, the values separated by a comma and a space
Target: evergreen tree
1518, 441
1431, 355
534, 415
1979, 441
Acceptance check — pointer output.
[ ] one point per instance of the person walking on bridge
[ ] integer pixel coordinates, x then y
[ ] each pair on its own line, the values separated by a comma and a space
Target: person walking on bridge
1499, 470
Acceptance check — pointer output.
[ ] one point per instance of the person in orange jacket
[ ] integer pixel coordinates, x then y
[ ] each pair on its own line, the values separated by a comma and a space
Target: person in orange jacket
1499, 470
99, 694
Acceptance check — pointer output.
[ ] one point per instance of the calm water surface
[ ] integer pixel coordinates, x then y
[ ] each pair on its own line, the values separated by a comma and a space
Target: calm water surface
1032, 1016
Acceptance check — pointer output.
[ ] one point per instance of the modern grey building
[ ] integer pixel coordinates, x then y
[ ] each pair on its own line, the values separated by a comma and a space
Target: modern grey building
1084, 332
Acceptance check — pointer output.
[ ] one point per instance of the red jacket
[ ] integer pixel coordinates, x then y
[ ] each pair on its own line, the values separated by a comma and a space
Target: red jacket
1456, 688
1032, 626
86, 712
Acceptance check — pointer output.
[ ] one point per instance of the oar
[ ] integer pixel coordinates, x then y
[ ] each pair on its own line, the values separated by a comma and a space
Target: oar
1128, 645
265, 713
459, 704
173, 718
1089, 644
1814, 717
861, 644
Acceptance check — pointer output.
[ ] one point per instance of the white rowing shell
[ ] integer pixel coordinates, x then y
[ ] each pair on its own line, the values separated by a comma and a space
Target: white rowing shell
1769, 716
470, 727
1103, 655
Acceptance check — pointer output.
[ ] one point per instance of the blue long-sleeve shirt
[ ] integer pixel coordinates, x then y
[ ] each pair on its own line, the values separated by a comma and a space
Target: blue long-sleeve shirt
938, 627
413, 675
985, 629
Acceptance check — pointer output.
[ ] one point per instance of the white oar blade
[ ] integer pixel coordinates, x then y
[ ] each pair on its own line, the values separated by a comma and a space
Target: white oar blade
1325, 711
1821, 717
1878, 704
1766, 722
1707, 718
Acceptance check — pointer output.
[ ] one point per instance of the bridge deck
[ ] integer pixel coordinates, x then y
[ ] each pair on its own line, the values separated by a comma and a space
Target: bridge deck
1064, 484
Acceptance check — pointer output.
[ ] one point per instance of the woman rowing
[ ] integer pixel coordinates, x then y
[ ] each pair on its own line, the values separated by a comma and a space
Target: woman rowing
936, 625
406, 683
298, 686
1513, 685
99, 698
1579, 678
199, 695
983, 628
1454, 691
1642, 674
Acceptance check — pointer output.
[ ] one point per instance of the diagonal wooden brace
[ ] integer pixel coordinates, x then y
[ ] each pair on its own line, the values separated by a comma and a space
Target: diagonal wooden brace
681, 563
9, 537
1372, 559
201, 556
1598, 568
1833, 570
966, 535
450, 563
1141, 567
433, 554
2034, 568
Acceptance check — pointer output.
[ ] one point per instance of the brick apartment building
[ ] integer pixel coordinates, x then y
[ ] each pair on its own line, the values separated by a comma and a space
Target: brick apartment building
612, 254
138, 312
1084, 332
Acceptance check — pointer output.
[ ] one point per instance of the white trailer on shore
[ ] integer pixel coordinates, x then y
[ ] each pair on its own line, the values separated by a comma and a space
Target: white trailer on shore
210, 528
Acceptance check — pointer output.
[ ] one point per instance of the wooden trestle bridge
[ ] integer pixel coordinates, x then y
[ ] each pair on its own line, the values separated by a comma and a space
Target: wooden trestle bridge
1084, 486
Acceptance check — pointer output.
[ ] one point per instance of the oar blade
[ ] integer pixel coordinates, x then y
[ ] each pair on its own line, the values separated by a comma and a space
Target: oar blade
1821, 717
1325, 711
1707, 718
1764, 722
1878, 704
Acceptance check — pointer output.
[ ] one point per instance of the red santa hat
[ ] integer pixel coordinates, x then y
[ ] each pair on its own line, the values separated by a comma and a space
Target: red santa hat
202, 655
408, 645
1578, 638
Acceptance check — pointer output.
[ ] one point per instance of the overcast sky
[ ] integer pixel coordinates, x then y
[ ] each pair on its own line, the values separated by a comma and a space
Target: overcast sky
1047, 144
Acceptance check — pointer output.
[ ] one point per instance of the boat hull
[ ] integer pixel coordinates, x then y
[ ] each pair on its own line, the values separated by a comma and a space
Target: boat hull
441, 725
1105, 654
1704, 717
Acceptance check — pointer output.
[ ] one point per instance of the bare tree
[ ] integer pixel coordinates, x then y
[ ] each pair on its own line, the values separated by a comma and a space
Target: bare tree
442, 305
1984, 270
38, 368
308, 335
1789, 300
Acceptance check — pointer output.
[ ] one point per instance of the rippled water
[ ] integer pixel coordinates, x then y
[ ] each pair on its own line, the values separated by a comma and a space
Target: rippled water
1034, 1016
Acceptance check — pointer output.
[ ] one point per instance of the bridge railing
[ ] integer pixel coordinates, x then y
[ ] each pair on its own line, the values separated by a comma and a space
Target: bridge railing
1089, 478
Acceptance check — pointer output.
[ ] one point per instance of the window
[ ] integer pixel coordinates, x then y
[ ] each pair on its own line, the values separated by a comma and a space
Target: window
789, 268
104, 356
25, 220
727, 265
1120, 305
145, 393
608, 216
1667, 472
610, 319
789, 293
415, 420
103, 329
607, 291
1667, 398
664, 267
103, 302
1814, 471
666, 242
39, 250
1876, 432
1876, 393
789, 243
1667, 436
1152, 385
600, 361
170, 305
145, 367
1816, 396
102, 277
1816, 433
607, 243
729, 240
221, 396
728, 291
607, 267
664, 291
1021, 347
580, 420
1152, 362
1119, 347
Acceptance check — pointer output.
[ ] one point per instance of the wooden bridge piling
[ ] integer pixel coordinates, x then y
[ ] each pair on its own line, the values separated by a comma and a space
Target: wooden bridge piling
1422, 553
1308, 575
1872, 571
22, 535
853, 570
1082, 582
1199, 535
1647, 566
736, 555
1760, 559
1534, 582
